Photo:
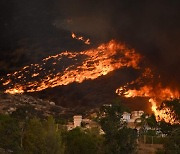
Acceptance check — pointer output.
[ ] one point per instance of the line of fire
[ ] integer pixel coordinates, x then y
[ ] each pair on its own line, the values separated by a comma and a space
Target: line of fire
89, 65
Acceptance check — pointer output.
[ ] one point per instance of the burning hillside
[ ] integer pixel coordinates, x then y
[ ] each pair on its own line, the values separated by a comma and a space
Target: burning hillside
86, 65
69, 67
149, 87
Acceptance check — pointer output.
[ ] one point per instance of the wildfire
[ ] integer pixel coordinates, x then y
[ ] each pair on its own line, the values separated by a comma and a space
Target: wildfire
86, 41
89, 64
68, 67
156, 95
164, 114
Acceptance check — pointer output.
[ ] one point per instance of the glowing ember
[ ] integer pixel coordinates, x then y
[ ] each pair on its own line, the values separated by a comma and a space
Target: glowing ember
86, 41
89, 64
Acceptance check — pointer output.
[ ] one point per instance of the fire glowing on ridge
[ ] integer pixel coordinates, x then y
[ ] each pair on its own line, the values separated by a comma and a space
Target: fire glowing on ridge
86, 41
156, 95
68, 67
89, 64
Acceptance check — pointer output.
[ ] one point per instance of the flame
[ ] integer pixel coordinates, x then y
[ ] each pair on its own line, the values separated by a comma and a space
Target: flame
68, 67
86, 41
151, 87
155, 95
149, 91
164, 114
88, 64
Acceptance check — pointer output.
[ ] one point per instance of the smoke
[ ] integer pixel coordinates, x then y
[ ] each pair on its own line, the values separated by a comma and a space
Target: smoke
151, 27
33, 30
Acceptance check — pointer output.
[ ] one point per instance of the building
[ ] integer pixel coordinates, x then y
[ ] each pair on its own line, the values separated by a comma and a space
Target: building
77, 120
126, 116
130, 118
136, 114
70, 126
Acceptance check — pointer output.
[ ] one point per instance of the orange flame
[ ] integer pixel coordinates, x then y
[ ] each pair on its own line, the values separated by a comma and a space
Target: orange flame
154, 93
90, 64
163, 114
97, 62
86, 41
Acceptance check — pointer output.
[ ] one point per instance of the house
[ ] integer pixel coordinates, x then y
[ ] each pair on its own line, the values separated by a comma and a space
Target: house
126, 116
70, 126
77, 120
130, 118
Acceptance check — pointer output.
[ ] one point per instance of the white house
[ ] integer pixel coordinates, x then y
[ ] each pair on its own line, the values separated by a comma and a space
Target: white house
126, 116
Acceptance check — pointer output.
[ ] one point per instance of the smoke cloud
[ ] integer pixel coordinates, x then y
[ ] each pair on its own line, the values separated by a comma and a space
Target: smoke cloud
152, 28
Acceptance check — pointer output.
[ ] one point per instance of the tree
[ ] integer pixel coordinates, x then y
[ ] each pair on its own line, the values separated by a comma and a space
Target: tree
53, 139
42, 137
146, 121
118, 138
127, 140
166, 128
151, 121
174, 106
142, 122
94, 133
172, 145
174, 113
34, 137
77, 141
172, 131
9, 134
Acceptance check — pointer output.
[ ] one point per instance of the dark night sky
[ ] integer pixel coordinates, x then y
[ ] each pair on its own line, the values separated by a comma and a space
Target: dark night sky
31, 30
